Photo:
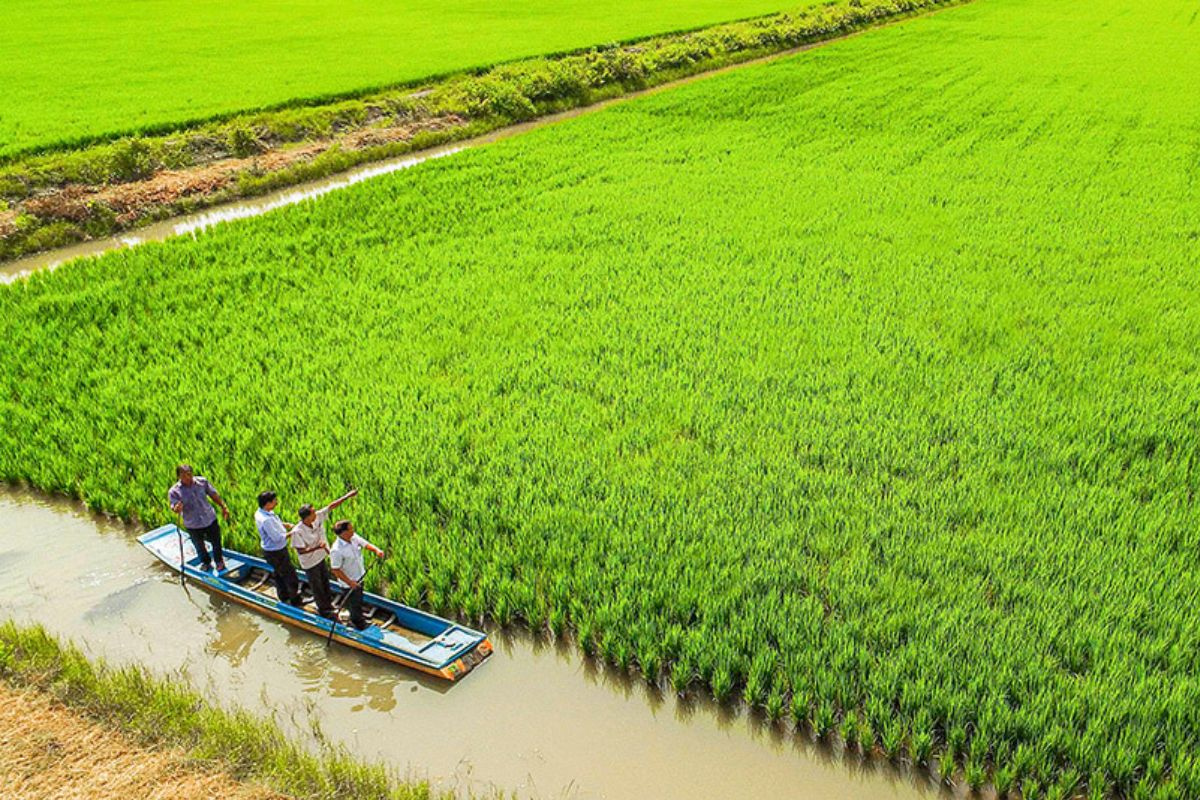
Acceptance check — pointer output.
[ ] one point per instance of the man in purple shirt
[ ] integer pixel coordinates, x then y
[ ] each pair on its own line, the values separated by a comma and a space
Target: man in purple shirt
190, 498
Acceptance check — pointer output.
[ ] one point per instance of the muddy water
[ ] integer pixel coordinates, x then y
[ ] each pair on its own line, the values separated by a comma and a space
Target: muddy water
536, 719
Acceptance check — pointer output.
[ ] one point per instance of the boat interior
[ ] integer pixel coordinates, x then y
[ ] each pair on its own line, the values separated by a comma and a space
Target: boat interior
419, 631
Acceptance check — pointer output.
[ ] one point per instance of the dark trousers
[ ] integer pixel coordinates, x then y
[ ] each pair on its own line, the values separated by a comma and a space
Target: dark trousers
318, 581
287, 585
355, 603
212, 534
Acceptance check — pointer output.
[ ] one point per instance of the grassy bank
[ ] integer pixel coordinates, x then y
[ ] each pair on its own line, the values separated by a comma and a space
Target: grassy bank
159, 714
63, 197
75, 73
52, 752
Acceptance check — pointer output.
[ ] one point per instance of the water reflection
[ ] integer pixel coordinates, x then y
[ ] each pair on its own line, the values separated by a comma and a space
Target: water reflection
338, 673
236, 632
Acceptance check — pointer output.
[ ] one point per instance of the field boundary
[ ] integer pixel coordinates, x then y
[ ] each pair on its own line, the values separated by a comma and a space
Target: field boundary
56, 199
51, 752
157, 713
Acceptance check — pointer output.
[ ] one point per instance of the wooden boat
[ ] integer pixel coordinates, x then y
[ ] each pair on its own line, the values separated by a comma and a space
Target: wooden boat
397, 632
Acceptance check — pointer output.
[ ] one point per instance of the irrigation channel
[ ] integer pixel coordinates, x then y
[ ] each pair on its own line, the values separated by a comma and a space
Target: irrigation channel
192, 224
244, 208
536, 719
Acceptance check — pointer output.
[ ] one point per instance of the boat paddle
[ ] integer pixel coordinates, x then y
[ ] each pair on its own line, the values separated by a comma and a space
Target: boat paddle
182, 561
337, 612
182, 574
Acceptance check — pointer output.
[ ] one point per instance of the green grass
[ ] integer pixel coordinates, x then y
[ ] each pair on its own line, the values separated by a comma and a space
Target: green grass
162, 713
76, 71
862, 384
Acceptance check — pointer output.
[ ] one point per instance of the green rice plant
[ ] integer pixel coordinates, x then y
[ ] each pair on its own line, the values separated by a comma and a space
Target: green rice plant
758, 682
651, 665
946, 769
975, 775
920, 748
956, 740
854, 732
824, 720
587, 640
977, 750
1022, 761
810, 358
1185, 770
682, 675
892, 739
722, 683
1153, 771
1064, 786
558, 621
622, 655
1003, 781
775, 705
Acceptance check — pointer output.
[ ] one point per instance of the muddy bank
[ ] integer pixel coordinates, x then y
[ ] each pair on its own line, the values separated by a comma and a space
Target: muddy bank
535, 719
49, 751
54, 200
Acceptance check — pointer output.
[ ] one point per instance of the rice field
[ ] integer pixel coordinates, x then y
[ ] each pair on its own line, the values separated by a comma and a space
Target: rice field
862, 386
74, 72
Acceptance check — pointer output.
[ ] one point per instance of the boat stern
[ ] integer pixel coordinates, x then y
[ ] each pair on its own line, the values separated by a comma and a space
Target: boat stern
469, 661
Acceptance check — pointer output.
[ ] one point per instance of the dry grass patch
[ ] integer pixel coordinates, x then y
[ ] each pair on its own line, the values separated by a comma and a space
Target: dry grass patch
48, 751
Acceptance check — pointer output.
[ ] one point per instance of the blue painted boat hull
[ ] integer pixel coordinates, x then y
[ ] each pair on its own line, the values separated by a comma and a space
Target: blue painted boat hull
398, 633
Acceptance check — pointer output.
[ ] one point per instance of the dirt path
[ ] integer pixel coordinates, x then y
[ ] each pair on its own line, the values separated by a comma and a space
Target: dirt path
48, 751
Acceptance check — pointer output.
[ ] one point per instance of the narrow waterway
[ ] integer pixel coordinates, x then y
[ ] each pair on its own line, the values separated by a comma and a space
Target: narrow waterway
536, 719
195, 223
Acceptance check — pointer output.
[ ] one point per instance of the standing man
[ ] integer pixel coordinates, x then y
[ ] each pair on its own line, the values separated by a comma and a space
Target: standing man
189, 498
347, 563
308, 537
273, 533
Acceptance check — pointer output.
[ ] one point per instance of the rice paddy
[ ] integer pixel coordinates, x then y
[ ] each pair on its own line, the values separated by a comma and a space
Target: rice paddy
75, 72
862, 386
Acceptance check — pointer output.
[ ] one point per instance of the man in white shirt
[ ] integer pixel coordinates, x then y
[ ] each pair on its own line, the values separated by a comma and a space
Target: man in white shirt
308, 537
347, 563
273, 533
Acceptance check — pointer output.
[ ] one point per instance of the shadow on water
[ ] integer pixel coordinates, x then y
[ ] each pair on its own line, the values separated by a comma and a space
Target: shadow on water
539, 719
116, 604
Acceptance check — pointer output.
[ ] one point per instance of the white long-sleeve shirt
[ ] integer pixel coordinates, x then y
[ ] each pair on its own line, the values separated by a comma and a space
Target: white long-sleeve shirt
271, 531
